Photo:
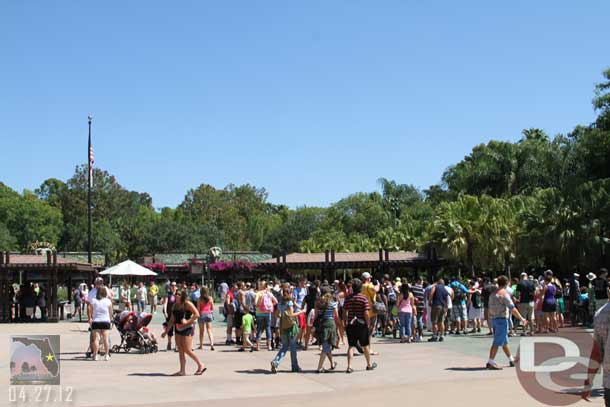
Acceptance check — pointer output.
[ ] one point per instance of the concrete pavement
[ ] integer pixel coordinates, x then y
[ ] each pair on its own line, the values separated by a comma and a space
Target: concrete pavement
448, 373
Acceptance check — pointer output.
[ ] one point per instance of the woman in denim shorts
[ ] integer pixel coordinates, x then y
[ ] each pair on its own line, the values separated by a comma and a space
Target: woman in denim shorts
205, 305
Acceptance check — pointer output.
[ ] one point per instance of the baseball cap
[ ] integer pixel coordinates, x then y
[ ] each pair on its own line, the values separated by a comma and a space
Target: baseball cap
524, 274
576, 275
366, 275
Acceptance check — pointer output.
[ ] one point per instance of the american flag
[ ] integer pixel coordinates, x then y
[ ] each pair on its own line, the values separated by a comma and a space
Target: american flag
91, 157
91, 161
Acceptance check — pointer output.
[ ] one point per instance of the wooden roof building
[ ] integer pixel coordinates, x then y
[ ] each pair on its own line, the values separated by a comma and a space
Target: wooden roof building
329, 262
48, 269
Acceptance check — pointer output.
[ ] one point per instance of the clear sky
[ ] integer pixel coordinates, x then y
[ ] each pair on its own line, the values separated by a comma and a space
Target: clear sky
312, 100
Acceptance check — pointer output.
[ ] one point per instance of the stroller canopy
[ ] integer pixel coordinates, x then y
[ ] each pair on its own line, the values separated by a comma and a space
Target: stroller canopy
128, 268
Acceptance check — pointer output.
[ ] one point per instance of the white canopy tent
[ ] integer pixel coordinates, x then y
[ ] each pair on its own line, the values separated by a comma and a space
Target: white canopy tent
127, 268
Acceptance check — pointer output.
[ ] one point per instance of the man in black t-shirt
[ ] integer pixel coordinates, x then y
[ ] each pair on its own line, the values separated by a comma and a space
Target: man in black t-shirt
525, 295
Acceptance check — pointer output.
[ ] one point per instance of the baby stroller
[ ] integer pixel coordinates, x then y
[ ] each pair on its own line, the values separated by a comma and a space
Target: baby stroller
134, 332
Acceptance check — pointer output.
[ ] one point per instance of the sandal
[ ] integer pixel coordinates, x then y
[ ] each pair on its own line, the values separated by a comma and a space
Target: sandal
334, 366
177, 374
349, 370
199, 372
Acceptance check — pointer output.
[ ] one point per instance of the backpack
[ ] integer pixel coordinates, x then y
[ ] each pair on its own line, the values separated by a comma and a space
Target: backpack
266, 304
599, 285
317, 323
286, 321
237, 307
476, 300
391, 294
458, 294
379, 306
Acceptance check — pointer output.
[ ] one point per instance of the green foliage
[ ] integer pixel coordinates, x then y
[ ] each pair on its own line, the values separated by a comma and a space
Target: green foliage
25, 219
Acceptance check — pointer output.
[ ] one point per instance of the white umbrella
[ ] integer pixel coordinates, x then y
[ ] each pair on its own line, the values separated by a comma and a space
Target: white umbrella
128, 268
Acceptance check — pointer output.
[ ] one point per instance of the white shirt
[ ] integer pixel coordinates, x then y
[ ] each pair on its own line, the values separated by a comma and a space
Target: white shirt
449, 299
142, 292
93, 293
101, 309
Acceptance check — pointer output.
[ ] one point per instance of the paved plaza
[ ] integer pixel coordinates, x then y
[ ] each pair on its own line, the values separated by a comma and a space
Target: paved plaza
448, 373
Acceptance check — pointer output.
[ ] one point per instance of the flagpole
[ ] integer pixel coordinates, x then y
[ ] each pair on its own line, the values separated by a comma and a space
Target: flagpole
89, 220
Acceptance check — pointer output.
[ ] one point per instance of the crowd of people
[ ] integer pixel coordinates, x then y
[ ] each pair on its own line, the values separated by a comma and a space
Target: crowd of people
28, 302
285, 317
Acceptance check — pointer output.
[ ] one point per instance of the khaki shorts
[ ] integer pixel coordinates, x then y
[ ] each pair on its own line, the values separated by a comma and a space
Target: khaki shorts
438, 315
526, 309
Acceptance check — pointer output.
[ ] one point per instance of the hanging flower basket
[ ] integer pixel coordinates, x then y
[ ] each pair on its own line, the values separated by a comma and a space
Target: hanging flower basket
232, 266
156, 267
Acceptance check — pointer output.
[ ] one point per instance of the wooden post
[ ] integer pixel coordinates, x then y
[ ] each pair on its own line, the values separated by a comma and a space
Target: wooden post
332, 256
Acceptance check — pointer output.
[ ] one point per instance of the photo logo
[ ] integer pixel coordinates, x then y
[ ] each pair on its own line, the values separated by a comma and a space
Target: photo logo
552, 369
34, 359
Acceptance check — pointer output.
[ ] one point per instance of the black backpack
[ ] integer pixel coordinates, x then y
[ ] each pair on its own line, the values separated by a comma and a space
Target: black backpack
600, 285
458, 294
476, 300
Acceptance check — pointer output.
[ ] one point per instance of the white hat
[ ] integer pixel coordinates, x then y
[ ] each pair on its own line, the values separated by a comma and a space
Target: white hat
591, 276
366, 275
576, 275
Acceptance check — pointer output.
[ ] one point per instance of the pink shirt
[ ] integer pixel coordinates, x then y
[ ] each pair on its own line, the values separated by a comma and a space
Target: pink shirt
205, 308
405, 306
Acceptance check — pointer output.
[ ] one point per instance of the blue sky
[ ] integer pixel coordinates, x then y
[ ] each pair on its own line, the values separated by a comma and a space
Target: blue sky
312, 100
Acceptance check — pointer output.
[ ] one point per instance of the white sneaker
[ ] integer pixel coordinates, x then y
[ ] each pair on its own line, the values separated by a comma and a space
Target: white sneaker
107, 357
96, 358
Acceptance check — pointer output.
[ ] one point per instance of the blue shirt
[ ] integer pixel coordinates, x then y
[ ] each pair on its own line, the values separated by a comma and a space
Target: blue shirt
329, 312
195, 295
459, 286
298, 296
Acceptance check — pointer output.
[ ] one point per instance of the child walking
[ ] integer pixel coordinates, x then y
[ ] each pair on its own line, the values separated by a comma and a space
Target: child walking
247, 326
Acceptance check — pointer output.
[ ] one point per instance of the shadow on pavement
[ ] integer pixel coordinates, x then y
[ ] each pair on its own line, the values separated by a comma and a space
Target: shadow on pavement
254, 371
466, 369
152, 375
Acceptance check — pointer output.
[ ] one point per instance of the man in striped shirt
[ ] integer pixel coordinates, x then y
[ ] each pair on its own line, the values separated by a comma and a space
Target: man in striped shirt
418, 293
356, 320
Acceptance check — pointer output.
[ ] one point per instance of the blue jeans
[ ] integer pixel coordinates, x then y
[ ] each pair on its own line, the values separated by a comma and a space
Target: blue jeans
263, 321
420, 321
405, 324
287, 341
